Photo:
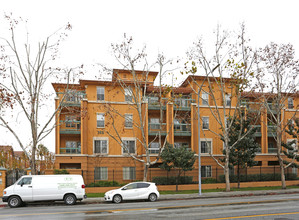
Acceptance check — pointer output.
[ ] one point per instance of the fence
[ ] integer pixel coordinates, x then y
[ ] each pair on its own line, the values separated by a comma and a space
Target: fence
208, 174
13, 175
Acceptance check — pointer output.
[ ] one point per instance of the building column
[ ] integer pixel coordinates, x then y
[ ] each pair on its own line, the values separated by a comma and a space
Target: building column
145, 117
84, 147
57, 128
264, 131
194, 128
169, 123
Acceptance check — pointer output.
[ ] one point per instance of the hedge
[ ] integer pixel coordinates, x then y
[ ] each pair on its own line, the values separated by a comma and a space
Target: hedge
104, 184
164, 180
257, 177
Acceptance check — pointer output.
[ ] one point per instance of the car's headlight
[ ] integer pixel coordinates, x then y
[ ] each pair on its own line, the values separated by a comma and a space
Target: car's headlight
110, 192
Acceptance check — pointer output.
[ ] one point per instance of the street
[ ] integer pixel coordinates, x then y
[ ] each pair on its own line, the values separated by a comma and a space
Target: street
250, 207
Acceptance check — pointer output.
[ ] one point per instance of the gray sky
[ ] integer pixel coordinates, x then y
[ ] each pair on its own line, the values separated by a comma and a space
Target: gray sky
164, 26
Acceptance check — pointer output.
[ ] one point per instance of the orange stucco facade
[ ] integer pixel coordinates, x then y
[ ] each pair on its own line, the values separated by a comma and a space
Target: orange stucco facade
93, 123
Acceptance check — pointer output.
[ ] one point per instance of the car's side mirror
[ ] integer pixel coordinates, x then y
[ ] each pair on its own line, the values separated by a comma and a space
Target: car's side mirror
125, 188
22, 184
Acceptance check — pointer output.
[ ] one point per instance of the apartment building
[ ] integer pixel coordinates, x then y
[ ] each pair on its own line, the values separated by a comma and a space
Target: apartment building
98, 118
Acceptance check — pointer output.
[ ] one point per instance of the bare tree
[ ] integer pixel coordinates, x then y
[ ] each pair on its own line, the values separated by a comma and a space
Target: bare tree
136, 88
25, 71
224, 76
277, 84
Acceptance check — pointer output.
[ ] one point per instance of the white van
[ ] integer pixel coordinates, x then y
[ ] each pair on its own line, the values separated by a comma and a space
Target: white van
67, 188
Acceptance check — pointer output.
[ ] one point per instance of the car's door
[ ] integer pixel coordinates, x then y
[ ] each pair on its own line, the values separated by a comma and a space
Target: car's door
143, 190
130, 191
24, 188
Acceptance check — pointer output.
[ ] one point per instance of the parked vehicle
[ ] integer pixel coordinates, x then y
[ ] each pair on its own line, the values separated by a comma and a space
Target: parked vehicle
134, 191
67, 188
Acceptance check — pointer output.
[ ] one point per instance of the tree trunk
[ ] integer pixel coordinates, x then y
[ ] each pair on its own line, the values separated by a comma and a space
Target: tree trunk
226, 169
145, 173
283, 180
238, 175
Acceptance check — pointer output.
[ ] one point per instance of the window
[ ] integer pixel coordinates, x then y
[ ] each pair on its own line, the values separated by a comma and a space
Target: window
72, 147
153, 100
25, 181
100, 120
154, 148
205, 98
154, 124
206, 171
206, 147
290, 103
101, 146
101, 173
228, 100
129, 173
128, 146
100, 93
142, 185
132, 186
128, 120
205, 123
128, 94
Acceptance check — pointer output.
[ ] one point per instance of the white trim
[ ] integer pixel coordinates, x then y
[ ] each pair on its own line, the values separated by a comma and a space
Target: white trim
100, 139
205, 140
100, 113
128, 139
97, 92
205, 129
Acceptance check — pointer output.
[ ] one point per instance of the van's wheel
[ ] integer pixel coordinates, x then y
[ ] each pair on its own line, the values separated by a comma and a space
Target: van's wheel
14, 202
70, 199
117, 198
152, 197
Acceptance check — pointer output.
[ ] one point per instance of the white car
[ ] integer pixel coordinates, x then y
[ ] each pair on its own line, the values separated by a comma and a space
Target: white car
134, 191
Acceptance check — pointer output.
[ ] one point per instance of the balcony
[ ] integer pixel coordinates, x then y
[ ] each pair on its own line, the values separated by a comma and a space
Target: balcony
73, 99
155, 104
271, 131
272, 150
253, 107
154, 128
70, 127
274, 108
68, 150
183, 104
181, 129
258, 132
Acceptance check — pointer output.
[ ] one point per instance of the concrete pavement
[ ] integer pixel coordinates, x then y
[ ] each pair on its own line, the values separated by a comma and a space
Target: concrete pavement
196, 196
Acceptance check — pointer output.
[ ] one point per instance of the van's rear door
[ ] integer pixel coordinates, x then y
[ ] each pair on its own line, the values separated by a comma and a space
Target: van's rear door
24, 189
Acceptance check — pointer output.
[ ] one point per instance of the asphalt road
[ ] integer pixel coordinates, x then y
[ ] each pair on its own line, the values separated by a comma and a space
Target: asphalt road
279, 207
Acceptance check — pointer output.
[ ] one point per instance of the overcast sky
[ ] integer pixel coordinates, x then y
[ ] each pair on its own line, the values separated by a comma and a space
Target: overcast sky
164, 26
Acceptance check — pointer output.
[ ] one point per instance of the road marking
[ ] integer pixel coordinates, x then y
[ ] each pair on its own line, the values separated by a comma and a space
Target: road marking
253, 216
158, 208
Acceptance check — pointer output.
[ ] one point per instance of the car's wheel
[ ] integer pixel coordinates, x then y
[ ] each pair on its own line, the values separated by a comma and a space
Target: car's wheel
14, 201
117, 198
70, 199
152, 197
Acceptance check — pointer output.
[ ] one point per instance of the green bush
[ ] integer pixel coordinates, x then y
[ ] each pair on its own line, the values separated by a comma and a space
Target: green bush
104, 184
63, 171
208, 180
258, 177
164, 180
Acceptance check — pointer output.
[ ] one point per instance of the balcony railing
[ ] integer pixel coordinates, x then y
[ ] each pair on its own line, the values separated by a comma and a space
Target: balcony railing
154, 128
258, 132
272, 150
182, 129
70, 127
183, 104
74, 98
67, 150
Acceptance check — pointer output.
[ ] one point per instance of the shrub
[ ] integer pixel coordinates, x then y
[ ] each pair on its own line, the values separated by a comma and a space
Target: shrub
258, 177
171, 180
63, 171
208, 180
104, 184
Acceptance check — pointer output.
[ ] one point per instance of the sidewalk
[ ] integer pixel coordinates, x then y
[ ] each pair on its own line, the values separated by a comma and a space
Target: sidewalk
196, 196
